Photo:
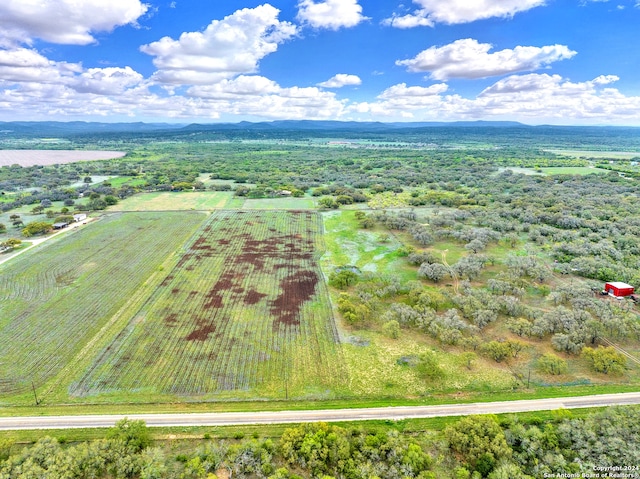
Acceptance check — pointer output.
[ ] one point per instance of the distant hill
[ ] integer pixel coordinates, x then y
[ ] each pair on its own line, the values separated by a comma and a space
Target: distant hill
60, 128
344, 125
497, 133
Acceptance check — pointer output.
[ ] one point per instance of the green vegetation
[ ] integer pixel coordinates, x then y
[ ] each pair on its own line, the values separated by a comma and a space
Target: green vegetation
278, 204
172, 201
56, 299
575, 170
507, 446
449, 267
243, 312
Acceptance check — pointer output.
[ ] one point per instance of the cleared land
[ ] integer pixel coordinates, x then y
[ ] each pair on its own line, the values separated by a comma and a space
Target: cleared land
573, 170
170, 201
619, 155
58, 296
279, 203
245, 307
557, 170
53, 157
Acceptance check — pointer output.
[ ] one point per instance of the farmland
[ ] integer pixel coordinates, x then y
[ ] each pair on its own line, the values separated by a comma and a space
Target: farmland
236, 307
244, 309
168, 201
54, 157
58, 296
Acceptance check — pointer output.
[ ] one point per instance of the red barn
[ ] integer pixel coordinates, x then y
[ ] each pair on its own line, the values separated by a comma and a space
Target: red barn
616, 288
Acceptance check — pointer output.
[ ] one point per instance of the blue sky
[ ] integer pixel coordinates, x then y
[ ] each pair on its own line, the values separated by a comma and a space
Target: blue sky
571, 62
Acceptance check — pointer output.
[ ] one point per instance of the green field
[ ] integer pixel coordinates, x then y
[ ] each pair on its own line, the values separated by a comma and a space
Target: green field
174, 201
374, 251
245, 311
573, 170
279, 204
618, 155
58, 296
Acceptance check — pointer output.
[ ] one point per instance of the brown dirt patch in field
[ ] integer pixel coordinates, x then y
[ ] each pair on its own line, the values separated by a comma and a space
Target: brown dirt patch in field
185, 258
252, 253
214, 300
201, 334
253, 297
296, 289
171, 320
200, 244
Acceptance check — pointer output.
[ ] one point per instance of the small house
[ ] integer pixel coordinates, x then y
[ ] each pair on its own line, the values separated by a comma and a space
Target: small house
79, 217
618, 289
61, 225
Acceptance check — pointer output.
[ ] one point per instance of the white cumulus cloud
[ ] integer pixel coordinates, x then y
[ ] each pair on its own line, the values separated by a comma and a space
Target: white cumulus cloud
226, 48
25, 65
106, 81
340, 80
530, 98
451, 12
261, 97
64, 21
467, 58
330, 14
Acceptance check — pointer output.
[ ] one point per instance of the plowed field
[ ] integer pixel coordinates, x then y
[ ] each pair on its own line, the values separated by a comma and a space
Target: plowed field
245, 309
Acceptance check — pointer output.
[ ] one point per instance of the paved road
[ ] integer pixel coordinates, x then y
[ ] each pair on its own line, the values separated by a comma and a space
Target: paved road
284, 417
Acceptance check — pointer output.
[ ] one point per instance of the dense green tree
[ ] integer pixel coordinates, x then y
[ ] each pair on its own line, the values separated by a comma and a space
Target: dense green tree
35, 228
605, 360
328, 202
478, 440
343, 279
435, 272
133, 433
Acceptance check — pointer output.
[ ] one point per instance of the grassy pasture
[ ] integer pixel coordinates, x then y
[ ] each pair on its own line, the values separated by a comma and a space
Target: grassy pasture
245, 311
370, 250
55, 298
119, 181
573, 170
173, 201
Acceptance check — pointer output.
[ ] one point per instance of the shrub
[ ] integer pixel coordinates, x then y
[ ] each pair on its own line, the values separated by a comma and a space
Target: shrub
391, 329
605, 360
552, 364
343, 279
429, 367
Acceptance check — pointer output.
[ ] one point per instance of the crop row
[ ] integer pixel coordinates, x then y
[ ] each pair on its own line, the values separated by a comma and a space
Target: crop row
244, 307
54, 299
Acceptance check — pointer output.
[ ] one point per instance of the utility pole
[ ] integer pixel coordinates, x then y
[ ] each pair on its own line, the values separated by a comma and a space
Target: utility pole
286, 384
34, 393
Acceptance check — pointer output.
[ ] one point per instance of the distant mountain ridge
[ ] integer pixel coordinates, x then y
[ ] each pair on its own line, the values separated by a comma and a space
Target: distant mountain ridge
293, 129
348, 125
81, 127
75, 127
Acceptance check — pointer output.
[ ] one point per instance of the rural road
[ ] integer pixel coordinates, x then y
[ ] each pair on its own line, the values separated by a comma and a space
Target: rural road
35, 242
284, 417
